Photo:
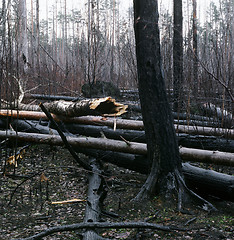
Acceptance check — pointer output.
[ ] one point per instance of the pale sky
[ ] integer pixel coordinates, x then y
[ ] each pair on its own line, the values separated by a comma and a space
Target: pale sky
202, 5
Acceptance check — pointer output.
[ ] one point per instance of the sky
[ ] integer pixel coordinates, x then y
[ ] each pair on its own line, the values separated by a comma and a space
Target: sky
202, 5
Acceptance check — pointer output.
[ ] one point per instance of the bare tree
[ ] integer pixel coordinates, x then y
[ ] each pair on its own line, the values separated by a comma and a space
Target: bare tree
160, 133
22, 33
178, 54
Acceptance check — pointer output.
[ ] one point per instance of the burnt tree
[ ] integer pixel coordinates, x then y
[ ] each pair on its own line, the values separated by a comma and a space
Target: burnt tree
163, 151
178, 54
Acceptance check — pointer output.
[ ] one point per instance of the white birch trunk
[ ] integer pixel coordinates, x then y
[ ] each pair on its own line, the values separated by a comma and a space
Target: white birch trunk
23, 38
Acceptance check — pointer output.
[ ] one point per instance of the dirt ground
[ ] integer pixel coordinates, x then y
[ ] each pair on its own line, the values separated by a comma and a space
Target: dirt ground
48, 174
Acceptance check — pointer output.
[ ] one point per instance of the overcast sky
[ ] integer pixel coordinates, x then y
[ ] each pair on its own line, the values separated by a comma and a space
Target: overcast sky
202, 5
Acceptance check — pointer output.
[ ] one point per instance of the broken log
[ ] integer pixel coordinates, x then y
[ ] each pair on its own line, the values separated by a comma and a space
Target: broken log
187, 154
181, 118
100, 106
117, 123
207, 182
96, 195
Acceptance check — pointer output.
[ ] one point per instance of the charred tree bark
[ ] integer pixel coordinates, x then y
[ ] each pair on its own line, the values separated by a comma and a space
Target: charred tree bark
185, 140
118, 123
206, 182
162, 145
96, 195
178, 54
209, 182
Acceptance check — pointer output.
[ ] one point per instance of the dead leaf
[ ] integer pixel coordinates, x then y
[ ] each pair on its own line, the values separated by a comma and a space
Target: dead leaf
43, 178
12, 160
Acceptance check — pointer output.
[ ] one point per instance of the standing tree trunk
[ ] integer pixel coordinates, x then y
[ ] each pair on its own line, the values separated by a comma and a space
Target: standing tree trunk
23, 39
38, 39
178, 54
163, 151
195, 52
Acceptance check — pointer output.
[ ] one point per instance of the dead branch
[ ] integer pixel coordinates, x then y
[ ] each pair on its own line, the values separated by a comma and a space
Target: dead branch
102, 225
64, 139
213, 76
96, 196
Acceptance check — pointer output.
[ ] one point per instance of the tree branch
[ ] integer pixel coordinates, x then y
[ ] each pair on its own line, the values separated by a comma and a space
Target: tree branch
213, 76
102, 225
64, 139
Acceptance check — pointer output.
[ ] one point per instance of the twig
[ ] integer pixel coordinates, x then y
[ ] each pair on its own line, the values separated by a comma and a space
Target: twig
64, 139
190, 220
18, 185
127, 142
213, 76
102, 225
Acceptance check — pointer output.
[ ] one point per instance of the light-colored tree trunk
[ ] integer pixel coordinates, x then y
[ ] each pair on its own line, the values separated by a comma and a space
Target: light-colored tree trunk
23, 38
195, 50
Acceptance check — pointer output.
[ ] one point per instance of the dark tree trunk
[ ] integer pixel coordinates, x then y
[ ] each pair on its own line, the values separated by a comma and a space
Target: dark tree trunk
163, 151
206, 182
178, 54
195, 51
96, 195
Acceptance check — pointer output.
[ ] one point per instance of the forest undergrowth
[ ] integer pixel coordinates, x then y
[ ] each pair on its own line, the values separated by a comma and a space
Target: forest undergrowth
48, 174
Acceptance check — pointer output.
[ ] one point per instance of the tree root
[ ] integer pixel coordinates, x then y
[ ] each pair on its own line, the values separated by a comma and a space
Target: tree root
182, 186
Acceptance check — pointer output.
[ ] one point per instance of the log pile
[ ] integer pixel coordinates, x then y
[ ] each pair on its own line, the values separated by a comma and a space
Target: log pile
121, 136
120, 142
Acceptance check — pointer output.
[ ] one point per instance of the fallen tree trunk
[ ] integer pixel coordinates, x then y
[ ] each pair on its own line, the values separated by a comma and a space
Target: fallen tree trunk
49, 97
214, 124
180, 116
187, 154
185, 140
100, 106
117, 123
96, 194
207, 182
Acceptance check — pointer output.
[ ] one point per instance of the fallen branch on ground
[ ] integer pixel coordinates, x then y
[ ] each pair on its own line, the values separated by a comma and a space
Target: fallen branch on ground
64, 139
102, 225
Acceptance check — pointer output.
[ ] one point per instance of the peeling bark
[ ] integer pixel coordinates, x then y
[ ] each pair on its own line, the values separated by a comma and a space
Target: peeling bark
101, 106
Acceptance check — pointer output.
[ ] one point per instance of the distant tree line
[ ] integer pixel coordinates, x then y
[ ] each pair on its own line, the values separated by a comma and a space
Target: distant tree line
60, 53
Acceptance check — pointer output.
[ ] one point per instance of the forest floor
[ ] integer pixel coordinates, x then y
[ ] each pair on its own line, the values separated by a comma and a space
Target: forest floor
26, 203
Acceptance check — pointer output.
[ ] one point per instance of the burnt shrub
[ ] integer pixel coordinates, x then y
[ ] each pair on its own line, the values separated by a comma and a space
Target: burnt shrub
100, 89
